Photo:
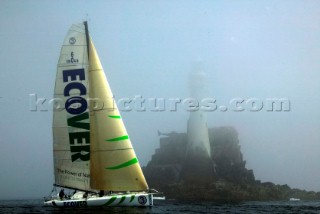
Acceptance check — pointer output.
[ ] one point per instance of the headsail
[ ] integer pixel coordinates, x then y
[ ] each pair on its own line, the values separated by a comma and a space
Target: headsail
71, 138
114, 165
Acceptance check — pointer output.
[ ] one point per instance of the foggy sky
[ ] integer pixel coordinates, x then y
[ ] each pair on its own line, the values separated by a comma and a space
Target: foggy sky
250, 49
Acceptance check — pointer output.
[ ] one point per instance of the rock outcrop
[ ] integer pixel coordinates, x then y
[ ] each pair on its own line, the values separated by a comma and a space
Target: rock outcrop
223, 178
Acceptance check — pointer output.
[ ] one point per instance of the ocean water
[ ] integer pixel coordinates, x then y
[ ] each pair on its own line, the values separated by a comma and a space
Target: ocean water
169, 206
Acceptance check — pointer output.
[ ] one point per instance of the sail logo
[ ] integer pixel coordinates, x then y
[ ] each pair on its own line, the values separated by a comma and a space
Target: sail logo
72, 59
77, 106
72, 40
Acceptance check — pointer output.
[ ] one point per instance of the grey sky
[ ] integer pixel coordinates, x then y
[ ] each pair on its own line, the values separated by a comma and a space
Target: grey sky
250, 49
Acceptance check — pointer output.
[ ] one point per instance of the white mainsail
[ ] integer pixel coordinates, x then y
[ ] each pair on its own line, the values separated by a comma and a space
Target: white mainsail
92, 149
70, 127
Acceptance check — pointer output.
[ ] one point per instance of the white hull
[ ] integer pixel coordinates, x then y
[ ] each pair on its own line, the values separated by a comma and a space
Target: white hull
135, 199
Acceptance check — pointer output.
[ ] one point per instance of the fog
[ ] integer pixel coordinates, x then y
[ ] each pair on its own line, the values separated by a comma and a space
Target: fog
250, 51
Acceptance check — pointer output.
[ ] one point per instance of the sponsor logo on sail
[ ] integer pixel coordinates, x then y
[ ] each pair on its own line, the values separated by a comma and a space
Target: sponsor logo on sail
76, 105
72, 59
72, 40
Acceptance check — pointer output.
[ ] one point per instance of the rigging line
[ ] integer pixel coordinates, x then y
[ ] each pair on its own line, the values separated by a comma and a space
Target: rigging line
72, 188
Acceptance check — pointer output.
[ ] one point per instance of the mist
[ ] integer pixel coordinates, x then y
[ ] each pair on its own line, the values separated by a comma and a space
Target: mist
250, 51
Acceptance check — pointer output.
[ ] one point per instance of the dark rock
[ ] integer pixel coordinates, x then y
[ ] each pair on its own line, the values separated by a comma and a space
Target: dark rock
223, 178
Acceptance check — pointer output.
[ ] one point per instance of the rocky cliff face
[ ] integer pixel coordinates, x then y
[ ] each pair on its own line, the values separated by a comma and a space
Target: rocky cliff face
171, 163
227, 156
223, 177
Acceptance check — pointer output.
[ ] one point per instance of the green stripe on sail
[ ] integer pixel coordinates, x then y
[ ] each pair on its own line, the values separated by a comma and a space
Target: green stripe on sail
122, 199
125, 137
128, 163
111, 200
115, 116
132, 197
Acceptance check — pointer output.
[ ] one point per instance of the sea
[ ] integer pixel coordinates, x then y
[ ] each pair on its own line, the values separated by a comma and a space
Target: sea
169, 206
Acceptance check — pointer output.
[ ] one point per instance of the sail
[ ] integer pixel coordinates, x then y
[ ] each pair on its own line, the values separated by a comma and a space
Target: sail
92, 149
113, 162
71, 138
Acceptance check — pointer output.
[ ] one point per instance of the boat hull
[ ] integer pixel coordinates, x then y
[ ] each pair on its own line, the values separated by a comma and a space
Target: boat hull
141, 200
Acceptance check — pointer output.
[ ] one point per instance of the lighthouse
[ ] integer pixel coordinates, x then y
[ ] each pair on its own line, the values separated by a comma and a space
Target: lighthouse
197, 131
198, 166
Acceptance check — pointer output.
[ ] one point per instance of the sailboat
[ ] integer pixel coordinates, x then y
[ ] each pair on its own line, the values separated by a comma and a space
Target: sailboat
93, 154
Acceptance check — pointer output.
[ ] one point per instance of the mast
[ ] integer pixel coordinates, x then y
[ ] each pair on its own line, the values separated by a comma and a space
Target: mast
87, 35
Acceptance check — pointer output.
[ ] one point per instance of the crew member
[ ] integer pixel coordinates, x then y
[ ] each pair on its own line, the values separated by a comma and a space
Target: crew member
61, 194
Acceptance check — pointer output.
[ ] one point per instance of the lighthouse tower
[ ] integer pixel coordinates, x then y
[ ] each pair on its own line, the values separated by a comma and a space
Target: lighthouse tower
198, 166
198, 138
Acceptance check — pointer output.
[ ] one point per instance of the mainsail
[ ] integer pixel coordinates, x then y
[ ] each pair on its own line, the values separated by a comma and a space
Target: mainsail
92, 149
70, 149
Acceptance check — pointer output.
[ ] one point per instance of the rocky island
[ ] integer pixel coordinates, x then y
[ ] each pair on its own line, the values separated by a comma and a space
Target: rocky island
220, 177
